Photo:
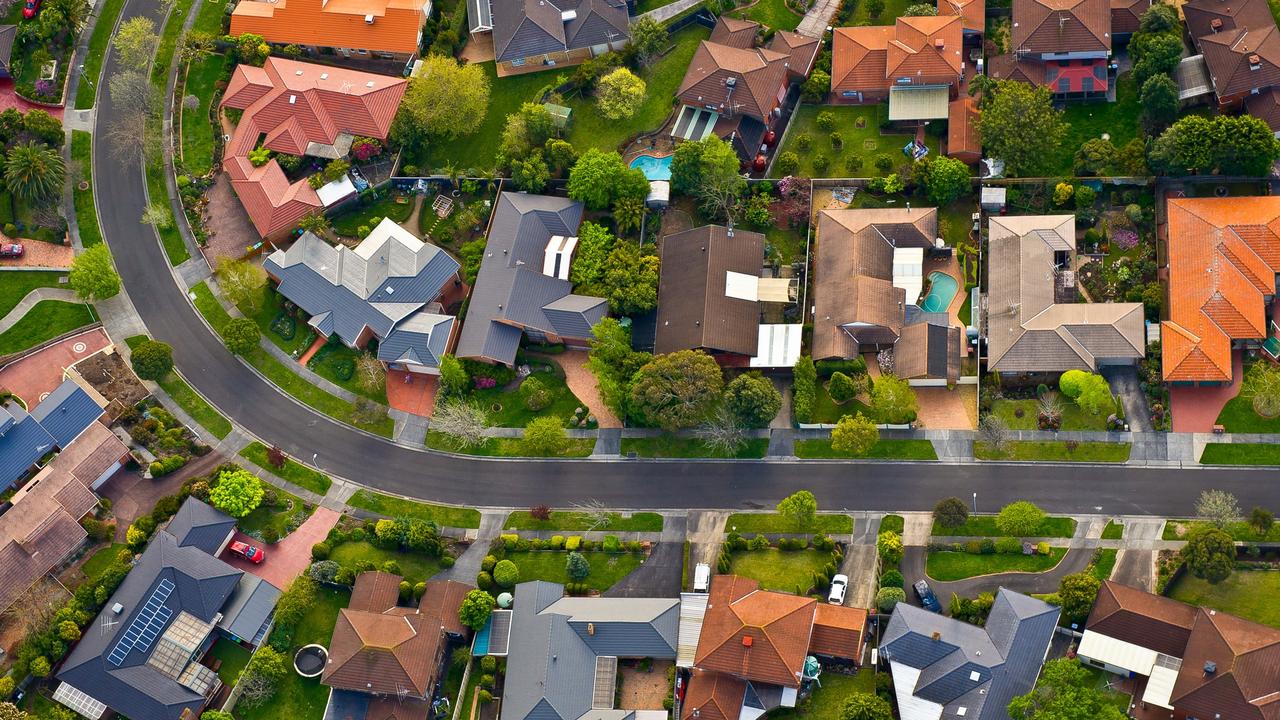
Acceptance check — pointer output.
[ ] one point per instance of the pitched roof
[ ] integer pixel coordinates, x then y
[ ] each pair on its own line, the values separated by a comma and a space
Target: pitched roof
859, 57
375, 25
522, 28
713, 696
957, 665
200, 525
972, 12
1223, 256
924, 49
755, 634
1126, 15
1242, 58
963, 135
512, 293
735, 81
67, 411
1059, 26
928, 350
1266, 107
838, 631
1141, 618
8, 33
291, 103
695, 307
734, 32
61, 417
1228, 15
855, 299
1028, 330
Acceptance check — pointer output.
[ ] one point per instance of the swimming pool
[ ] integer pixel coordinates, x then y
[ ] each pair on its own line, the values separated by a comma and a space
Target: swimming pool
942, 289
654, 168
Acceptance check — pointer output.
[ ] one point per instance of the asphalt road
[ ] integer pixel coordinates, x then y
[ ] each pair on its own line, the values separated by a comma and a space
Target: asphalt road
260, 408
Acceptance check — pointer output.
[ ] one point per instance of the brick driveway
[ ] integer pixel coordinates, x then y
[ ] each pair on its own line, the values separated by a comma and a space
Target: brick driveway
35, 375
290, 557
10, 99
1196, 409
412, 392
39, 254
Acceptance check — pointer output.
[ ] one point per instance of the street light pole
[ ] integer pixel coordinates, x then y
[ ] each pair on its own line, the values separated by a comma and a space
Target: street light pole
975, 503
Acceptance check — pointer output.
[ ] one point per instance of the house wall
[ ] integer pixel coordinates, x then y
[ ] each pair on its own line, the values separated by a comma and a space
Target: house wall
856, 96
570, 57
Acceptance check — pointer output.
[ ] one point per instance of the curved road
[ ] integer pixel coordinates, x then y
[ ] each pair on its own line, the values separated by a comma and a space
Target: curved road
260, 408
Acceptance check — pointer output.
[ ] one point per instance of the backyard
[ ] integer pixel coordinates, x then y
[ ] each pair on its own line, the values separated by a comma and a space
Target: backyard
296, 697
827, 701
671, 446
1068, 451
861, 141
233, 656
549, 565
367, 215
949, 565
46, 320
784, 570
882, 450
415, 567
892, 9
1090, 120
1251, 594
394, 507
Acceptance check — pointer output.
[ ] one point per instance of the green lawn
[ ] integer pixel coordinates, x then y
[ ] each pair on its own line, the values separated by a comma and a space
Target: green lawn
415, 567
395, 507
1091, 119
864, 143
949, 565
985, 526
892, 9
1073, 417
17, 283
209, 17
892, 523
770, 13
507, 409
100, 560
157, 191
293, 471
45, 321
199, 132
103, 27
1240, 531
1113, 531
1240, 454
825, 410
1237, 416
233, 657
572, 520
644, 6
1105, 563
189, 400
275, 516
752, 523
394, 205
606, 568
827, 702
1052, 450
174, 247
506, 447
1251, 594
883, 450
265, 311
786, 571
682, 447
86, 212
300, 698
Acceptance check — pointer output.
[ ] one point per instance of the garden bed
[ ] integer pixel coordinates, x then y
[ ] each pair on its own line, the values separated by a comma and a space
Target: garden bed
361, 213
949, 565
1073, 416
506, 447
189, 400
283, 517
292, 470
505, 407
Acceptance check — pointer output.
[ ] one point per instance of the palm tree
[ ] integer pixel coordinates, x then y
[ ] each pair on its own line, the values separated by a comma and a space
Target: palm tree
34, 172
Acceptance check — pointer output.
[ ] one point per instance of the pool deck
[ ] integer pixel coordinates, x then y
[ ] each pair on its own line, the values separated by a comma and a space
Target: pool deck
950, 266
955, 288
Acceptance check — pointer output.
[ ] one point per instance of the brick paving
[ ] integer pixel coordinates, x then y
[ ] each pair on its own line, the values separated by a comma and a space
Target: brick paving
10, 99
39, 254
230, 232
1196, 409
412, 392
290, 557
34, 376
583, 384
943, 409
133, 496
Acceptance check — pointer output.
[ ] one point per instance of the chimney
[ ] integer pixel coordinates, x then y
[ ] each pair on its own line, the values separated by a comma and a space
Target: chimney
746, 641
1255, 62
937, 636
1210, 667
1216, 24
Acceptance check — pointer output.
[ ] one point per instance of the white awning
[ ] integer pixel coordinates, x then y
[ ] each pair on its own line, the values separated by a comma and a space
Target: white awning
908, 272
918, 103
1117, 653
659, 193
693, 606
741, 286
778, 346
336, 191
1160, 684
775, 290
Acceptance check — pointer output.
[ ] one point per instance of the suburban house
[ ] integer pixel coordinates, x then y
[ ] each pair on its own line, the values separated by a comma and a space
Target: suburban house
973, 15
52, 425
142, 654
523, 287
868, 281
391, 288
1034, 323
1224, 254
1126, 17
1064, 45
388, 29
382, 650
301, 109
42, 528
948, 668
1192, 661
1239, 48
736, 90
916, 64
753, 647
529, 35
711, 297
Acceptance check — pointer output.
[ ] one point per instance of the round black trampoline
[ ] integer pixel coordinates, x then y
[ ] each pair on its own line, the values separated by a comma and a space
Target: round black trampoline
310, 660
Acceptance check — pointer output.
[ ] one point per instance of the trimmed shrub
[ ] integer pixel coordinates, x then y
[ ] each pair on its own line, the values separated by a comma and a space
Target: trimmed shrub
488, 562
892, 578
484, 581
1008, 545
888, 598
557, 542
320, 551
574, 542
506, 574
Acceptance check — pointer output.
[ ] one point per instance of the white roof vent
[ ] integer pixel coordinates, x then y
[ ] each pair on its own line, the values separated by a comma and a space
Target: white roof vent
741, 286
962, 711
975, 676
369, 84
558, 256
298, 73
324, 76
293, 99
368, 19
568, 15
117, 609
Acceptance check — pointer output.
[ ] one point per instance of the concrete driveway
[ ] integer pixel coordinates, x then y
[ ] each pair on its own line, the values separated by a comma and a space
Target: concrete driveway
1123, 380
661, 573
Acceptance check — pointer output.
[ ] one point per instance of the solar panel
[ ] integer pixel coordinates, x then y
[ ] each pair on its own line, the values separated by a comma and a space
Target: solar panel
146, 626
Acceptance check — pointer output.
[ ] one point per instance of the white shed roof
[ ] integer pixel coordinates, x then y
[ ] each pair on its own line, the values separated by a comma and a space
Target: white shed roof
1117, 653
336, 190
779, 346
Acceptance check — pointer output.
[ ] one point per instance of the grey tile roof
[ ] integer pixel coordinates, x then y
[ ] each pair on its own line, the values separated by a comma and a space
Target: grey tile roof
249, 607
54, 423
511, 292
66, 412
523, 28
8, 33
199, 525
979, 669
555, 641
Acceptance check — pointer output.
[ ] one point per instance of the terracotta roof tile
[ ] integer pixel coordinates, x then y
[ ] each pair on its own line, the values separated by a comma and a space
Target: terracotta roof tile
376, 25
963, 137
859, 58
872, 57
1245, 683
838, 631
734, 32
736, 81
1138, 617
1126, 15
1058, 26
713, 696
755, 634
973, 12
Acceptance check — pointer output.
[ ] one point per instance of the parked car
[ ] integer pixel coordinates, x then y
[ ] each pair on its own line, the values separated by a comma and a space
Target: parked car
31, 8
839, 585
701, 578
927, 598
253, 554
11, 250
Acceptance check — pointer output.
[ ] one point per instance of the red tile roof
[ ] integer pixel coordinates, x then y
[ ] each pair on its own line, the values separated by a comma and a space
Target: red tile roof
927, 50
1126, 15
964, 141
973, 12
377, 25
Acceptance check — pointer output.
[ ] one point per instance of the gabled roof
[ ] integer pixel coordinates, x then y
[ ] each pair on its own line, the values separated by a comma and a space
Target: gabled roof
734, 81
695, 308
1223, 256
713, 696
972, 12
376, 25
67, 411
1141, 618
199, 525
1027, 329
1266, 107
928, 350
1059, 26
511, 292
1126, 15
859, 57
963, 136
55, 423
522, 28
1228, 15
293, 103
734, 32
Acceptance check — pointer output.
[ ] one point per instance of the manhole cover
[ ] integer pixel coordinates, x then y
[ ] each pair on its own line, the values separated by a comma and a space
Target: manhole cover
79, 347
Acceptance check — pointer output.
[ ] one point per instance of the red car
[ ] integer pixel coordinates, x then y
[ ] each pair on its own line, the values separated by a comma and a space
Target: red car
248, 552
10, 250
31, 8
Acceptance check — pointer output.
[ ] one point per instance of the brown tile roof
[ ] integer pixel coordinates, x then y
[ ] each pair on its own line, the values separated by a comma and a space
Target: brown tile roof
973, 12
735, 81
1245, 683
1134, 616
838, 631
296, 104
694, 310
854, 276
859, 58
441, 601
375, 592
1011, 67
801, 51
734, 32
1126, 15
1266, 107
1058, 26
334, 23
964, 141
713, 696
1223, 256
1230, 56
1201, 16
872, 57
755, 634
925, 350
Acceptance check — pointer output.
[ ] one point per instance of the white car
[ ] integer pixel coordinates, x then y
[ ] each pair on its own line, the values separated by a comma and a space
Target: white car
839, 584
702, 578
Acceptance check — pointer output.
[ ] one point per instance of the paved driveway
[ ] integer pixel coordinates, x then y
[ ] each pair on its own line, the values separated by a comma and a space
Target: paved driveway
290, 557
36, 375
661, 573
913, 569
1124, 383
39, 254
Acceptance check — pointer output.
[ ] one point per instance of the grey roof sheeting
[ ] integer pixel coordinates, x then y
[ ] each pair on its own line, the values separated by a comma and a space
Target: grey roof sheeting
249, 607
977, 668
421, 340
524, 28
55, 423
199, 525
66, 412
25, 442
555, 641
511, 292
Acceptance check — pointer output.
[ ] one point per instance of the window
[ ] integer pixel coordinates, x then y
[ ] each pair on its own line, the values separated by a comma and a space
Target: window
518, 62
1097, 663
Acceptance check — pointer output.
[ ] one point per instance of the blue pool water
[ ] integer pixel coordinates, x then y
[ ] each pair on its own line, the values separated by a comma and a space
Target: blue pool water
941, 290
654, 168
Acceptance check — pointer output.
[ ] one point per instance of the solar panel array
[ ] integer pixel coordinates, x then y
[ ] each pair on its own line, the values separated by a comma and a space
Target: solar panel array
146, 627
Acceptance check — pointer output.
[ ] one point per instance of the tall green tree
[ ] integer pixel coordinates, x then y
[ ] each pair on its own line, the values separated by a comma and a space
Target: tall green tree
944, 178
238, 492
620, 94
135, 42
893, 400
527, 129
444, 101
1065, 691
865, 706
1020, 519
152, 360
599, 179
34, 172
676, 391
614, 363
1020, 126
1210, 553
1159, 98
1077, 593
648, 39
240, 335
93, 276
854, 435
595, 242
630, 279
753, 399
800, 508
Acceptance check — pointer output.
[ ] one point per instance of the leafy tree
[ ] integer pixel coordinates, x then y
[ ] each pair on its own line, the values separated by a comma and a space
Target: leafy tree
250, 49
944, 178
866, 706
893, 400
215, 715
530, 174
648, 39
874, 8
630, 279
1261, 387
887, 598
1219, 507
920, 10
1020, 519
1160, 18
1095, 396
1077, 593
559, 154
951, 512
1230, 145
889, 548
242, 282
1095, 157
454, 380
237, 493
545, 437
135, 43
93, 276
628, 214
34, 172
1159, 98
506, 574
600, 178
577, 567
535, 394
475, 609
241, 335
40, 125
152, 359
444, 101
296, 601
815, 88
9, 711
527, 129
620, 94
614, 363
753, 399
1154, 54
1065, 691
676, 391
841, 388
261, 677
595, 243
854, 435
800, 508
1020, 126
1261, 520
710, 171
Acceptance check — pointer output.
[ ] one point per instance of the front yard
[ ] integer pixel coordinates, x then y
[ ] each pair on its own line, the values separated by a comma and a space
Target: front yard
573, 520
861, 142
1239, 531
506, 408
189, 400
283, 517
883, 450
985, 526
44, 321
1238, 416
949, 565
1068, 451
1240, 454
415, 567
752, 523
1022, 415
199, 131
394, 507
784, 570
1251, 594
606, 568
292, 470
